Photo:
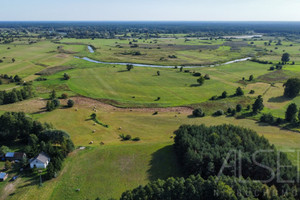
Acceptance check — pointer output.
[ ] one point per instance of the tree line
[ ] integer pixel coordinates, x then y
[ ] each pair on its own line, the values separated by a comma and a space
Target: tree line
16, 95
195, 188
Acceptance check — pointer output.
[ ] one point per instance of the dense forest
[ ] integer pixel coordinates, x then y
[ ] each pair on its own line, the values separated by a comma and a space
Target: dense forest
146, 29
202, 150
195, 188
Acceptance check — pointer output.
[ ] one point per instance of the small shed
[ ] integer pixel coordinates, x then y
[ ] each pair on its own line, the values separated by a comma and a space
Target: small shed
3, 176
15, 156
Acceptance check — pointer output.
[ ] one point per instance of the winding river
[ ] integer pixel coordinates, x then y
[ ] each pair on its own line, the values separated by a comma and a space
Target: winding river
156, 66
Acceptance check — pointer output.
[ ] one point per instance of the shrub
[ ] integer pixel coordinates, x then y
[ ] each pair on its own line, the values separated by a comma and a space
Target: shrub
125, 137
267, 118
224, 95
197, 74
56, 103
52, 104
279, 121
206, 77
272, 68
251, 77
239, 92
64, 96
229, 110
41, 79
66, 76
219, 113
93, 116
233, 112
251, 92
239, 108
248, 107
8, 165
198, 113
70, 103
214, 97
200, 80
136, 139
129, 67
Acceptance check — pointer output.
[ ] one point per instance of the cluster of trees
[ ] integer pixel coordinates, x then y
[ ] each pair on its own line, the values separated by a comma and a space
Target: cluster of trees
292, 116
11, 79
238, 92
54, 103
278, 67
16, 95
202, 150
202, 79
198, 112
195, 187
35, 137
260, 61
270, 119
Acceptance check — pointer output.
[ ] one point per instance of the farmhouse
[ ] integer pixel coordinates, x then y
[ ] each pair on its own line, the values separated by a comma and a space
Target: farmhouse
14, 156
3, 176
41, 161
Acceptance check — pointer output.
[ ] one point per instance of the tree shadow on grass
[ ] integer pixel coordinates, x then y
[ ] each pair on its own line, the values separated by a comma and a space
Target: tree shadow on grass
123, 70
245, 115
164, 164
195, 85
279, 99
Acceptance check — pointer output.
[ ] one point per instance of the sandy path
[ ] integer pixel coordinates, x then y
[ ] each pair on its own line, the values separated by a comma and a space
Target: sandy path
91, 103
9, 189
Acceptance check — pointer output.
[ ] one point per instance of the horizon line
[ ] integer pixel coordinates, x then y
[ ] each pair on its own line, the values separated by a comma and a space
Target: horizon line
145, 21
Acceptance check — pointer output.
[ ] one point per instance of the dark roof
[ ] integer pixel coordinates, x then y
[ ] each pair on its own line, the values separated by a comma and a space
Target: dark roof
15, 155
42, 157
19, 155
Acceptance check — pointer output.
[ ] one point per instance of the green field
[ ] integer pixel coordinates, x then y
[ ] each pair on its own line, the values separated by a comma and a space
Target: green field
110, 166
107, 170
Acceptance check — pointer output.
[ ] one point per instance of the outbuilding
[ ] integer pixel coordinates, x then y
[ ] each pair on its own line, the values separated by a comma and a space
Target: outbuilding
3, 176
15, 156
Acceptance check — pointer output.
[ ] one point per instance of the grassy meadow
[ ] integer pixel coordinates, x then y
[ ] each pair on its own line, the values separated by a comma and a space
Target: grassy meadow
127, 100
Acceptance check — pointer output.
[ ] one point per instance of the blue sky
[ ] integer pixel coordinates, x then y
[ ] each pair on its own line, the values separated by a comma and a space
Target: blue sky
156, 10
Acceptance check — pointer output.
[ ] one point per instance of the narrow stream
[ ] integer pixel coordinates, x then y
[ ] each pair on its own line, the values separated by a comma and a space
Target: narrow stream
156, 66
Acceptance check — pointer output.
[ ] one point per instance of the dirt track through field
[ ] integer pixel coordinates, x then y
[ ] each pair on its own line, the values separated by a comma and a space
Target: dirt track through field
91, 103
9, 189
